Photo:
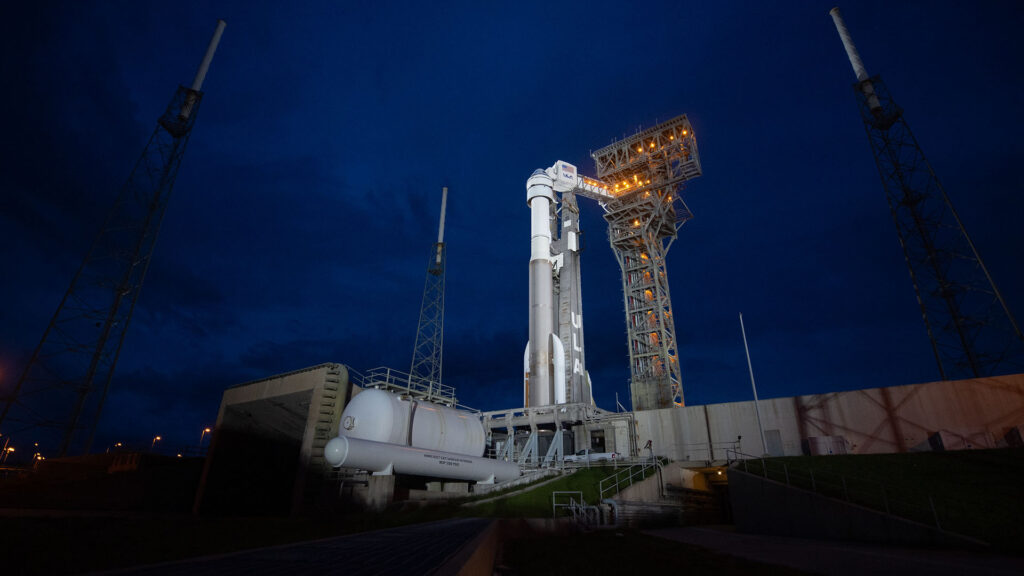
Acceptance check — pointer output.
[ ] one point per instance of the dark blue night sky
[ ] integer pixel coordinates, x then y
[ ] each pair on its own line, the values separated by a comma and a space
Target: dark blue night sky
307, 203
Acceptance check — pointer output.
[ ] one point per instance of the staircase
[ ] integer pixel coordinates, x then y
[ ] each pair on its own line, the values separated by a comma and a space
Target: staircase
637, 496
320, 477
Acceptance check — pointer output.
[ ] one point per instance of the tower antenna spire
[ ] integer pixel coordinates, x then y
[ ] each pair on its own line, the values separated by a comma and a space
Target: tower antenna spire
971, 329
61, 393
427, 351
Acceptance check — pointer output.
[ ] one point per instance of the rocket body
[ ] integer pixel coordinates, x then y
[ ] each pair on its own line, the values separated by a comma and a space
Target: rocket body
539, 384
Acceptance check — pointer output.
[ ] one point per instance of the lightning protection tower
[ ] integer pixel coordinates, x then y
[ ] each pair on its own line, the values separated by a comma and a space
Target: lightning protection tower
426, 353
60, 395
971, 329
646, 174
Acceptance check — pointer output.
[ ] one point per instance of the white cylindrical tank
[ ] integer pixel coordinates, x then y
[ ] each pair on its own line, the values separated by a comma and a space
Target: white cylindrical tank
390, 458
381, 416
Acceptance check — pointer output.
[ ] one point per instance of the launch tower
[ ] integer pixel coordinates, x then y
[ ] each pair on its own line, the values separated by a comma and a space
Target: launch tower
645, 175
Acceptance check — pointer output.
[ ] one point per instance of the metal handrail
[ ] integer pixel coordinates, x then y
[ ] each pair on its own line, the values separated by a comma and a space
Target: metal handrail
555, 504
622, 479
398, 381
577, 507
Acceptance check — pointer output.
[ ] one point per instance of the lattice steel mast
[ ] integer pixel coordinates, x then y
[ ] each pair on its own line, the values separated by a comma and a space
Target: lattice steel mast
426, 353
646, 173
971, 329
61, 392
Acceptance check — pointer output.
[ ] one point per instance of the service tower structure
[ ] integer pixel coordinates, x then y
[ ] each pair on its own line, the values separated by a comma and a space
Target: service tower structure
645, 174
60, 395
972, 332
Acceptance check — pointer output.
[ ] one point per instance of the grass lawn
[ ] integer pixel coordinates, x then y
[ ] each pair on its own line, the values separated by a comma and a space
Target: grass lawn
974, 492
537, 502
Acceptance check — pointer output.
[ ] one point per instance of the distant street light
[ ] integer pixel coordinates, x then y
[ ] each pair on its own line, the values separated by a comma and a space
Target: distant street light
203, 435
155, 440
7, 453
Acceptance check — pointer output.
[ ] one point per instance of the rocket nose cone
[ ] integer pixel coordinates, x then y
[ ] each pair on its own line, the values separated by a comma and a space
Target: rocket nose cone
336, 451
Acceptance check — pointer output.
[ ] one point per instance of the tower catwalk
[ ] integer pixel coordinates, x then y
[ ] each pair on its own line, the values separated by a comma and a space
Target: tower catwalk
427, 351
971, 329
646, 173
60, 395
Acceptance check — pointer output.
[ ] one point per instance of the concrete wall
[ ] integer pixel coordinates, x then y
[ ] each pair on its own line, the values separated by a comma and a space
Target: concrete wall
266, 453
672, 474
876, 420
647, 490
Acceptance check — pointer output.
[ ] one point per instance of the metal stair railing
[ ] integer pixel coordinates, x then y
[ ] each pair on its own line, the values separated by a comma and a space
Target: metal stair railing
624, 478
577, 508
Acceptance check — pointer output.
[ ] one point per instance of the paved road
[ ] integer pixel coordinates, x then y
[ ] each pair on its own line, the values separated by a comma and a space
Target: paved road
416, 549
841, 558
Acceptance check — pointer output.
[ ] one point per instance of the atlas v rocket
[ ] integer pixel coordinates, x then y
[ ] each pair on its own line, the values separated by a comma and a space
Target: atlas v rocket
554, 367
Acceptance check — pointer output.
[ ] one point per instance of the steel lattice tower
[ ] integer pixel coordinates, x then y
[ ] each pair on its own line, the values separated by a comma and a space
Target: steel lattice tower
426, 353
61, 392
646, 174
971, 329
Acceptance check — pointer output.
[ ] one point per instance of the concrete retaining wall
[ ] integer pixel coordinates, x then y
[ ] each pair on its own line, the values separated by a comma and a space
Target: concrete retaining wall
763, 506
646, 490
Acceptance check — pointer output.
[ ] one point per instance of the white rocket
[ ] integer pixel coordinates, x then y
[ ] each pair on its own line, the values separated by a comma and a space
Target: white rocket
544, 360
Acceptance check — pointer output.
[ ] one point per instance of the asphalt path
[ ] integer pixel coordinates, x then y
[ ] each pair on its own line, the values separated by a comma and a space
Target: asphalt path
843, 558
415, 549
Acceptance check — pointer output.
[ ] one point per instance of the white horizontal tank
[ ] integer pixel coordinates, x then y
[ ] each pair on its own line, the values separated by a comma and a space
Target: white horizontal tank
381, 416
381, 458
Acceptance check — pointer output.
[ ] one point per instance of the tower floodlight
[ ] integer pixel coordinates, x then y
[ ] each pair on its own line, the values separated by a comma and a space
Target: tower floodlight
971, 329
61, 392
645, 175
426, 353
